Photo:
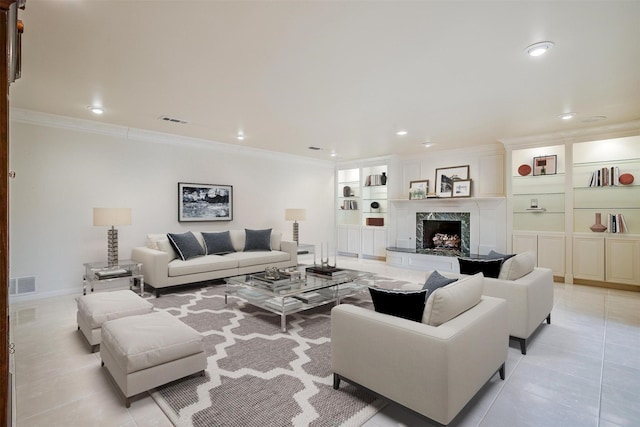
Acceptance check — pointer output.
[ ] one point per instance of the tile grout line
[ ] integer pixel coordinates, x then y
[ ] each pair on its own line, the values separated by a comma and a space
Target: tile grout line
506, 379
604, 350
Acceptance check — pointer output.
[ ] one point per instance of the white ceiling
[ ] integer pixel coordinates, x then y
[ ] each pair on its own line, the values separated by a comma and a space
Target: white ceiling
339, 75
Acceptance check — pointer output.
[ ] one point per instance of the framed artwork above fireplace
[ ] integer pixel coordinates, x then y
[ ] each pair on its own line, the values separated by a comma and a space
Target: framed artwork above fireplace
446, 176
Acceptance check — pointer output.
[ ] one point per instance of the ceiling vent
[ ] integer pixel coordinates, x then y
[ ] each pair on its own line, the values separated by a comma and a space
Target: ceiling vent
315, 148
173, 120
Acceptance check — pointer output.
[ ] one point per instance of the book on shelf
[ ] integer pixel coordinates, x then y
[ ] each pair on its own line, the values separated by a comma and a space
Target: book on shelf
112, 274
605, 177
617, 223
310, 297
288, 305
326, 271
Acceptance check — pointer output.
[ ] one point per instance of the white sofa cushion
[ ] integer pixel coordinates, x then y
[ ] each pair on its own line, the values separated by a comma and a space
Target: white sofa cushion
237, 238
518, 266
153, 238
246, 259
165, 246
204, 264
452, 300
276, 238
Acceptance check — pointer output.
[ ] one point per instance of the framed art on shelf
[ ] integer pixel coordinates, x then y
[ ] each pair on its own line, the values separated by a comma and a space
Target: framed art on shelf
461, 188
446, 176
418, 189
204, 202
544, 165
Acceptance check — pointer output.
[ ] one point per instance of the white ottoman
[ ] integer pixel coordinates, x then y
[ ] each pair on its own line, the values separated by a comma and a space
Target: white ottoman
95, 309
149, 350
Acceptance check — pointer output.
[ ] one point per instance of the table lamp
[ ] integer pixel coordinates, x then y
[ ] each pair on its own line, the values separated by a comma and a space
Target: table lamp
295, 215
112, 217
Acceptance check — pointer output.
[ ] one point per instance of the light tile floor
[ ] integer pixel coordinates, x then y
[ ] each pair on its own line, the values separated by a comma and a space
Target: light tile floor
582, 370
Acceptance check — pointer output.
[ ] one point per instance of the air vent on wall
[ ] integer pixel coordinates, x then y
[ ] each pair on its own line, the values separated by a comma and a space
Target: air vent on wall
22, 285
173, 120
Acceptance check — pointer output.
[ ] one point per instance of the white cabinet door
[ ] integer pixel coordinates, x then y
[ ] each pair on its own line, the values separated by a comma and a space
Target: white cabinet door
588, 258
374, 241
551, 253
524, 243
368, 241
622, 257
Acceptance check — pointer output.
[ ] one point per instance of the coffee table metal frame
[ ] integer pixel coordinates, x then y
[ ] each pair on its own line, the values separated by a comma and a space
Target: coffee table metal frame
332, 289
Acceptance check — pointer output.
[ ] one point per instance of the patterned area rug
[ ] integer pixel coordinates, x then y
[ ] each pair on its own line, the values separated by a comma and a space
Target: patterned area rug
257, 375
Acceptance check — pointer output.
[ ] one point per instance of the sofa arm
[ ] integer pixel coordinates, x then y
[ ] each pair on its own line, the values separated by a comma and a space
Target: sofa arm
292, 249
432, 370
155, 265
529, 298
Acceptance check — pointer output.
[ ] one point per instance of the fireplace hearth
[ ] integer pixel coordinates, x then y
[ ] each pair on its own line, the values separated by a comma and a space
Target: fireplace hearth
443, 233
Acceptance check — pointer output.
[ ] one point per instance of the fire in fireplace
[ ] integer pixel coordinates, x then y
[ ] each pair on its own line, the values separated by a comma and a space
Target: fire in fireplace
442, 233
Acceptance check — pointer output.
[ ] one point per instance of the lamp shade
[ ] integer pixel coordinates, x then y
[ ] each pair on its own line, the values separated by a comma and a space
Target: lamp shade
111, 216
295, 214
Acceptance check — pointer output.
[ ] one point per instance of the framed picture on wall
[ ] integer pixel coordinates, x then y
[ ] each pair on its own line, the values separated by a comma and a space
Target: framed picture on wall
446, 176
418, 189
204, 202
461, 188
544, 165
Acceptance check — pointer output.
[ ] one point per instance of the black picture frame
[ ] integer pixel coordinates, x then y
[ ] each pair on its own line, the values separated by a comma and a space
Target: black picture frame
446, 176
545, 165
204, 202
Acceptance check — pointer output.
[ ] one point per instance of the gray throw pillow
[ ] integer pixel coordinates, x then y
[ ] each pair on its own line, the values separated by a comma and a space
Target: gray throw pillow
186, 245
495, 255
218, 243
435, 281
257, 240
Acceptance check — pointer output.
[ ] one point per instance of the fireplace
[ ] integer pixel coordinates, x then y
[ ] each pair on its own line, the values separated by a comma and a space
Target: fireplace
443, 233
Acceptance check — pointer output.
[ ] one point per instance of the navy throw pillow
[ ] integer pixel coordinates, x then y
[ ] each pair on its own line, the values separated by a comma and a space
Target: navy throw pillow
257, 240
406, 304
218, 243
488, 267
186, 245
435, 281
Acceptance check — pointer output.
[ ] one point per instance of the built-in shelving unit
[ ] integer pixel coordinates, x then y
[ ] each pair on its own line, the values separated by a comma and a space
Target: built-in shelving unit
362, 210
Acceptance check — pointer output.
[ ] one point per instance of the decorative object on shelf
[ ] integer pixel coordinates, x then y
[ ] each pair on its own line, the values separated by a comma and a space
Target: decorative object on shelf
324, 263
418, 189
446, 176
626, 179
349, 205
204, 202
375, 207
598, 227
346, 191
617, 223
461, 188
112, 217
524, 170
295, 215
605, 177
373, 180
378, 222
545, 165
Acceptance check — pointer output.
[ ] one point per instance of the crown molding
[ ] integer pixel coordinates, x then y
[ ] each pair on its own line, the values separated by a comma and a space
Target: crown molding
19, 115
575, 135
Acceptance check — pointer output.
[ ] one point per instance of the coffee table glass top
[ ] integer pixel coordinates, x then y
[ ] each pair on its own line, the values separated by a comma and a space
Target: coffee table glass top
306, 283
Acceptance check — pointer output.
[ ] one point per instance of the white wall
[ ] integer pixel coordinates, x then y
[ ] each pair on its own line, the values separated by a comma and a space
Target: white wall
63, 173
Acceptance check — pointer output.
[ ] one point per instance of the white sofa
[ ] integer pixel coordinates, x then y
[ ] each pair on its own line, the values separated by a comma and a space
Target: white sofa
529, 297
163, 269
433, 370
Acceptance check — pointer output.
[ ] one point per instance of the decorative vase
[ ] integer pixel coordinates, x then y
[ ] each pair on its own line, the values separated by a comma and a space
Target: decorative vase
383, 178
598, 227
346, 191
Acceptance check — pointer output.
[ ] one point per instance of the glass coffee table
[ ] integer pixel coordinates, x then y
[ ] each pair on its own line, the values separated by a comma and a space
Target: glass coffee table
301, 291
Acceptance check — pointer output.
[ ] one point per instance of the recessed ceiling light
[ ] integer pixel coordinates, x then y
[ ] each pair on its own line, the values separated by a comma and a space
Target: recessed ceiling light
333, 154
240, 136
538, 49
567, 116
402, 132
594, 119
427, 144
95, 109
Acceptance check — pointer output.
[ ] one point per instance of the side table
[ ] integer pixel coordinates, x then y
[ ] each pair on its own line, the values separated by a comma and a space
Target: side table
102, 272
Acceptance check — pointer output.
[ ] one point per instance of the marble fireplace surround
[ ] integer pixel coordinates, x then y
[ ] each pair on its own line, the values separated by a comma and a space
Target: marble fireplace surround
487, 221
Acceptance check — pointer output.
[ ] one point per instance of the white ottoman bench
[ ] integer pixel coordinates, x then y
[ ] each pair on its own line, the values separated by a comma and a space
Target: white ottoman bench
95, 309
149, 350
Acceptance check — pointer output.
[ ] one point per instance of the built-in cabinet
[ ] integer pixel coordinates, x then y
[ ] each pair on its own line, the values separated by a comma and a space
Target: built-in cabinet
552, 214
362, 210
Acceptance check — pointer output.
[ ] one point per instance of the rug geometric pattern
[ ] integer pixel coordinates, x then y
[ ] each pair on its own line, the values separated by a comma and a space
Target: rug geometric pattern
256, 374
